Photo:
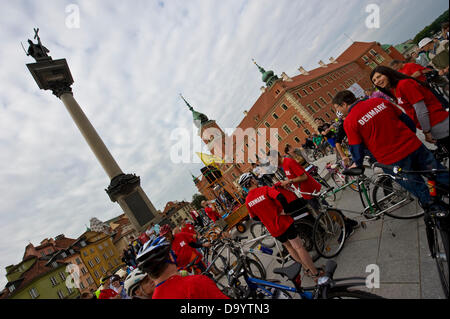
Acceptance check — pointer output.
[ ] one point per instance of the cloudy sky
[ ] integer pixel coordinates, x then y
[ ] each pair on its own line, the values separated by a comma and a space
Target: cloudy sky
129, 63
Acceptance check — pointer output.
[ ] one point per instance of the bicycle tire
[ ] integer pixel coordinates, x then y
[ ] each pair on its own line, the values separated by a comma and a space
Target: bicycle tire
305, 229
441, 240
258, 229
328, 225
341, 293
385, 187
259, 267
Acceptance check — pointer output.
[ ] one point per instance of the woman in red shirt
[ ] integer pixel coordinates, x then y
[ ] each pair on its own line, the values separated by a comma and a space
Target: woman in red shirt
418, 102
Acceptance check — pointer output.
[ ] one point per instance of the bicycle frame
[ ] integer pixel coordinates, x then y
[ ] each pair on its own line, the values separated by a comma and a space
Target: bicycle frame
256, 251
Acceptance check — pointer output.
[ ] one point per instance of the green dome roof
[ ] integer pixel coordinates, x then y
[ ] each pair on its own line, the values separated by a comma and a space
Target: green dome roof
267, 75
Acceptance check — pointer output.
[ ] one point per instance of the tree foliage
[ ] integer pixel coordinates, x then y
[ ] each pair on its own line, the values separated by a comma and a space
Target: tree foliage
431, 29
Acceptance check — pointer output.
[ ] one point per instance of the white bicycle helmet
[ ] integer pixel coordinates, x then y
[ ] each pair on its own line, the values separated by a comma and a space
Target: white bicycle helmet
339, 114
245, 179
133, 280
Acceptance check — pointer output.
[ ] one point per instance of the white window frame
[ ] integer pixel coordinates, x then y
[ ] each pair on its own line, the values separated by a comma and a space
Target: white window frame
53, 281
60, 294
34, 293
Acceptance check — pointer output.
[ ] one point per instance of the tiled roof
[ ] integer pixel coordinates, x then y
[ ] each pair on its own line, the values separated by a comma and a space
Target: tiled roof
36, 270
64, 243
355, 51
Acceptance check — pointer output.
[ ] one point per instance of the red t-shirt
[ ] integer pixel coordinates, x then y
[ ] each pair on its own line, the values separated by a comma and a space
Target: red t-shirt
143, 238
292, 169
290, 196
188, 228
189, 287
212, 213
409, 92
107, 294
261, 202
411, 68
182, 250
376, 124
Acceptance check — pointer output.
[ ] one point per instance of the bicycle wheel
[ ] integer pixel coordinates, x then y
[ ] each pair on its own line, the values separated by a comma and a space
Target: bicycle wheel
329, 233
258, 229
441, 244
255, 269
344, 293
305, 230
338, 179
387, 193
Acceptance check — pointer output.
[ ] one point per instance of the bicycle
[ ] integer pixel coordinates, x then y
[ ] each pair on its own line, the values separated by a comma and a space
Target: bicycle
436, 219
329, 232
327, 287
335, 171
225, 254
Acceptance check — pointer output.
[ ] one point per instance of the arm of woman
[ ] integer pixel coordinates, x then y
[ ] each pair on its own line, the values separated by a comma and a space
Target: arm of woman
423, 117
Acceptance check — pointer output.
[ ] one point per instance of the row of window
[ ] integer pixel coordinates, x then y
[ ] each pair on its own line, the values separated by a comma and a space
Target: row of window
333, 76
34, 293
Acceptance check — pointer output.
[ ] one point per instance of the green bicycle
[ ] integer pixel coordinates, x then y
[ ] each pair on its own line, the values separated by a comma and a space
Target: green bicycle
329, 231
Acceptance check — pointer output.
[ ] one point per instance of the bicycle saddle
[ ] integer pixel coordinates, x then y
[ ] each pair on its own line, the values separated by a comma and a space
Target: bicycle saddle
291, 272
354, 171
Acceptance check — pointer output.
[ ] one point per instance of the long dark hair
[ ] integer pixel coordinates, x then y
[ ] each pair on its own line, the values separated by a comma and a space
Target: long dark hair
394, 77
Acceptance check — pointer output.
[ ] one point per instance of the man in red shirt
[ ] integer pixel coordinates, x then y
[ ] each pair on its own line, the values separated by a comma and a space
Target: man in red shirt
299, 178
267, 204
411, 69
389, 134
210, 211
156, 260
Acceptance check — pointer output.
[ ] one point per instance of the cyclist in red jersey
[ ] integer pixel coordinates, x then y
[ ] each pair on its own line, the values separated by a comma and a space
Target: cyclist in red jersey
419, 103
188, 228
267, 205
389, 134
411, 69
298, 177
184, 246
156, 260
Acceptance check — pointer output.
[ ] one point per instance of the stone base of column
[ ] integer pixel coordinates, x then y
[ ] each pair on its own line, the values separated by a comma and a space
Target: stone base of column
125, 189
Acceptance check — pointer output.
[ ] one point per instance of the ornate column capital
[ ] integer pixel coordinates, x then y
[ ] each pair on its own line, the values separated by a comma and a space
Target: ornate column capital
122, 184
59, 88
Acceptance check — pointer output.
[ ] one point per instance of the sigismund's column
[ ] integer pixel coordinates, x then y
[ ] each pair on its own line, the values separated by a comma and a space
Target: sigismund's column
124, 189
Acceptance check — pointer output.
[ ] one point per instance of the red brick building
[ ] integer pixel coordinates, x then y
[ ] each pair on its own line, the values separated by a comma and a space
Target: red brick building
289, 104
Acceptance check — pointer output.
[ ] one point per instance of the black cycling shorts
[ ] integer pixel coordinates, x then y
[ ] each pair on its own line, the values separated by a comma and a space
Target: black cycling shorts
290, 233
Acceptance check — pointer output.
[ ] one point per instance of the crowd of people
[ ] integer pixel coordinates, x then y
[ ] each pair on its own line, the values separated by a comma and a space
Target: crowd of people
382, 125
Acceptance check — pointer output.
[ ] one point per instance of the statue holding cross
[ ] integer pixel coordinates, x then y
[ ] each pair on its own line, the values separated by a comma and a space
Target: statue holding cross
37, 51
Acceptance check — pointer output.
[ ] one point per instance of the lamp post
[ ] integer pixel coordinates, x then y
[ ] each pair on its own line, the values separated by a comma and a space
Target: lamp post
124, 189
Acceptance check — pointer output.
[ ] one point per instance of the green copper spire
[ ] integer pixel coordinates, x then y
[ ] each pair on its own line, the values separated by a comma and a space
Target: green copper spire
199, 118
268, 77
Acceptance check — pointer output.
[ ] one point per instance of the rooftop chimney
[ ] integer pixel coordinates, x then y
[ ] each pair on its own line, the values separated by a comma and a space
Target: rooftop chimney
333, 60
303, 71
322, 64
263, 89
245, 113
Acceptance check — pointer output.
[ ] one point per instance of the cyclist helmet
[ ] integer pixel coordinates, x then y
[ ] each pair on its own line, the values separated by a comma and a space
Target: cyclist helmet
164, 230
245, 179
339, 114
132, 281
153, 256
